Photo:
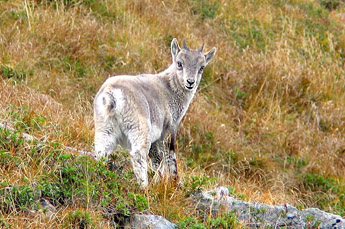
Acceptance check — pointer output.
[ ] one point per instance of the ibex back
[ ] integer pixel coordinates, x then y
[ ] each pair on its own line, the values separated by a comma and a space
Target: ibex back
141, 112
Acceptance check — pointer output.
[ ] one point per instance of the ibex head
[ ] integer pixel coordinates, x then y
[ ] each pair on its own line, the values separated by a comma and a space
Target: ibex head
189, 64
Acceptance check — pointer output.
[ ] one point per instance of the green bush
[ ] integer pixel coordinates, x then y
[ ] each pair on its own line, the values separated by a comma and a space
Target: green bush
224, 220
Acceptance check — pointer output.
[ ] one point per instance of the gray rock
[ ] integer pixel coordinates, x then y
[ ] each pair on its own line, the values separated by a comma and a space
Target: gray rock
327, 220
257, 215
48, 208
151, 221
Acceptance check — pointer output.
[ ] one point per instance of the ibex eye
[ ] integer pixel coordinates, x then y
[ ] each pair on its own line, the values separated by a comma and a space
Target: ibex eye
179, 65
201, 69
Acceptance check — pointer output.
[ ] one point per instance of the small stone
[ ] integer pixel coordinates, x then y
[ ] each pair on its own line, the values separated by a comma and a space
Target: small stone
151, 221
48, 208
222, 192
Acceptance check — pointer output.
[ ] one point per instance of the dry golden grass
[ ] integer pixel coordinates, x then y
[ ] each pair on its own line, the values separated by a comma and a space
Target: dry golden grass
269, 116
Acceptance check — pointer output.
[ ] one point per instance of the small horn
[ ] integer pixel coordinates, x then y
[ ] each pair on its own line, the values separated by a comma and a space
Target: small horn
185, 45
202, 47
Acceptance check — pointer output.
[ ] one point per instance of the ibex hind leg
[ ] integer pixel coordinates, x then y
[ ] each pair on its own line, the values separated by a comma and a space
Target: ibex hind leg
158, 165
140, 146
106, 130
105, 137
105, 143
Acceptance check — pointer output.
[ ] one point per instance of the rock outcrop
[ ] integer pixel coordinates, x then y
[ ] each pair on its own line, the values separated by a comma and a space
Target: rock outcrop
258, 215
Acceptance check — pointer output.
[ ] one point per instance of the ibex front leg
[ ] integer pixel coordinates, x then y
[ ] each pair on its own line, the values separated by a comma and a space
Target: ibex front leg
140, 146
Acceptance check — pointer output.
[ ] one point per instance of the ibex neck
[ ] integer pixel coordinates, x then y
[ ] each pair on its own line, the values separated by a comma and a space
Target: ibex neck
179, 98
175, 86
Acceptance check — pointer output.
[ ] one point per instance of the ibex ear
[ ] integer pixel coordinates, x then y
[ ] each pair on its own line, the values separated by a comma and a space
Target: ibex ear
175, 49
210, 54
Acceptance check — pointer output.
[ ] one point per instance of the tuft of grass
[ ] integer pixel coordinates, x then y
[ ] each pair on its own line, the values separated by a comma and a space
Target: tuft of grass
27, 120
13, 74
206, 9
80, 219
327, 190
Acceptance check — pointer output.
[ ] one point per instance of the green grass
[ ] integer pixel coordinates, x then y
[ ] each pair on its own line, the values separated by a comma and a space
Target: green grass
227, 220
13, 74
328, 191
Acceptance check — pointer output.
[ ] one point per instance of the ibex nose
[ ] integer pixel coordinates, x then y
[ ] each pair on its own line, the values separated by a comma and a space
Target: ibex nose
191, 82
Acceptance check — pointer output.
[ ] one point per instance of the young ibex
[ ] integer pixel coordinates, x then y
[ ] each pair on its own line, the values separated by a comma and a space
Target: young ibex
141, 112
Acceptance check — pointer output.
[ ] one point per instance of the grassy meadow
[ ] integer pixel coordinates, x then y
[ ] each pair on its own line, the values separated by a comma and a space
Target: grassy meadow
268, 120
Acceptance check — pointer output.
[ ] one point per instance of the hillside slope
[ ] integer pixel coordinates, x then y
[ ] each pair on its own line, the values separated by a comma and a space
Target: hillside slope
268, 120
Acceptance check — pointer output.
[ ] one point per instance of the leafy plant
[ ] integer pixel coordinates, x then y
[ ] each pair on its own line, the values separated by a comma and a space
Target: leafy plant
224, 220
196, 184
